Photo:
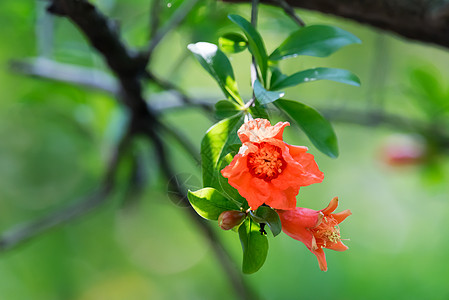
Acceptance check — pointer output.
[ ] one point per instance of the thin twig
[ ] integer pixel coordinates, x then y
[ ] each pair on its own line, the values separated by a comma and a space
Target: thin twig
289, 10
253, 67
433, 131
102, 81
82, 76
22, 233
177, 18
155, 17
167, 85
242, 290
183, 142
44, 31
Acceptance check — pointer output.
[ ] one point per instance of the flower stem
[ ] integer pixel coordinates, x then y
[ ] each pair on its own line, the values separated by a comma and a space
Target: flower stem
253, 67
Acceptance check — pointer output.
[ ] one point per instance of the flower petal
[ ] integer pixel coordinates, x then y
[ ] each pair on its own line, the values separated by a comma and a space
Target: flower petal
296, 151
331, 207
295, 224
258, 130
236, 167
282, 199
319, 253
342, 215
339, 246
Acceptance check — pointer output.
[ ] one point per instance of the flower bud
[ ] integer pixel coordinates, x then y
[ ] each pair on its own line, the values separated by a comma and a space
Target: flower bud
400, 150
231, 218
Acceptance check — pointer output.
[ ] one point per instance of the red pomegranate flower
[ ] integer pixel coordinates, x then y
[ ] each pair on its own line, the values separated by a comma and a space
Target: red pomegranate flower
317, 229
268, 171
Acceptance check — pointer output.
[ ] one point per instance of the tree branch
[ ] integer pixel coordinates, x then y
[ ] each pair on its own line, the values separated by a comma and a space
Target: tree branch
25, 232
129, 69
288, 9
242, 290
422, 20
431, 131
177, 18
81, 76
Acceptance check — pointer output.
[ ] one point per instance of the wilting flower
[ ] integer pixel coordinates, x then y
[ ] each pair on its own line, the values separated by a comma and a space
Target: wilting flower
317, 229
268, 171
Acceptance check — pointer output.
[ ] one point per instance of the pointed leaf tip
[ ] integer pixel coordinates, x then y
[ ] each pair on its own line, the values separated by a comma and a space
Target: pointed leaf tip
314, 40
254, 246
314, 125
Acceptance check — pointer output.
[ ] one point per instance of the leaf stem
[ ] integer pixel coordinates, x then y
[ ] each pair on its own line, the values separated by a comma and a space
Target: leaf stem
254, 11
253, 67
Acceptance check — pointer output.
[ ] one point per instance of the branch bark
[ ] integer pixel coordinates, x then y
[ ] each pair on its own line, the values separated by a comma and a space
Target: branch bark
422, 20
129, 67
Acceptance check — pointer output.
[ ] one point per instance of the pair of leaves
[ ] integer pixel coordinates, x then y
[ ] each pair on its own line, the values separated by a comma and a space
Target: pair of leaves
315, 40
269, 216
209, 203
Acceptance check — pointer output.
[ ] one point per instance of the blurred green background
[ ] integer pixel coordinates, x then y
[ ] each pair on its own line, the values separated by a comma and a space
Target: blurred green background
55, 138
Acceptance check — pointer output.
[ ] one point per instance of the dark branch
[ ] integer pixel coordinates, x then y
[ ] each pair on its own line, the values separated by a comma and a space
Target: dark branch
242, 290
102, 34
421, 20
288, 9
129, 69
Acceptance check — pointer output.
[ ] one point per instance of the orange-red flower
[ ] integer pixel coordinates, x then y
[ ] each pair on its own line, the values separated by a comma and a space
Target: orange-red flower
317, 229
268, 171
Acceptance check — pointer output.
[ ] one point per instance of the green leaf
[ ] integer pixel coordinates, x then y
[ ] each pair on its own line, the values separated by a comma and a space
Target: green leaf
314, 125
315, 40
276, 76
214, 147
265, 96
215, 62
226, 109
209, 203
257, 111
269, 216
225, 187
426, 84
232, 43
310, 75
255, 44
254, 245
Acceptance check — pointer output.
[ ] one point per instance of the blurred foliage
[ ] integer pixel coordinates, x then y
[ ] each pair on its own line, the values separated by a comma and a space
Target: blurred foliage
54, 138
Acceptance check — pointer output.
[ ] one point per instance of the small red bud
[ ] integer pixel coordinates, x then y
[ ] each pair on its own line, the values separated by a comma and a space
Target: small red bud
231, 218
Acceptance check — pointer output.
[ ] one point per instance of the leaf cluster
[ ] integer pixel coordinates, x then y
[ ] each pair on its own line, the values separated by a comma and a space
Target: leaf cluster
220, 143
